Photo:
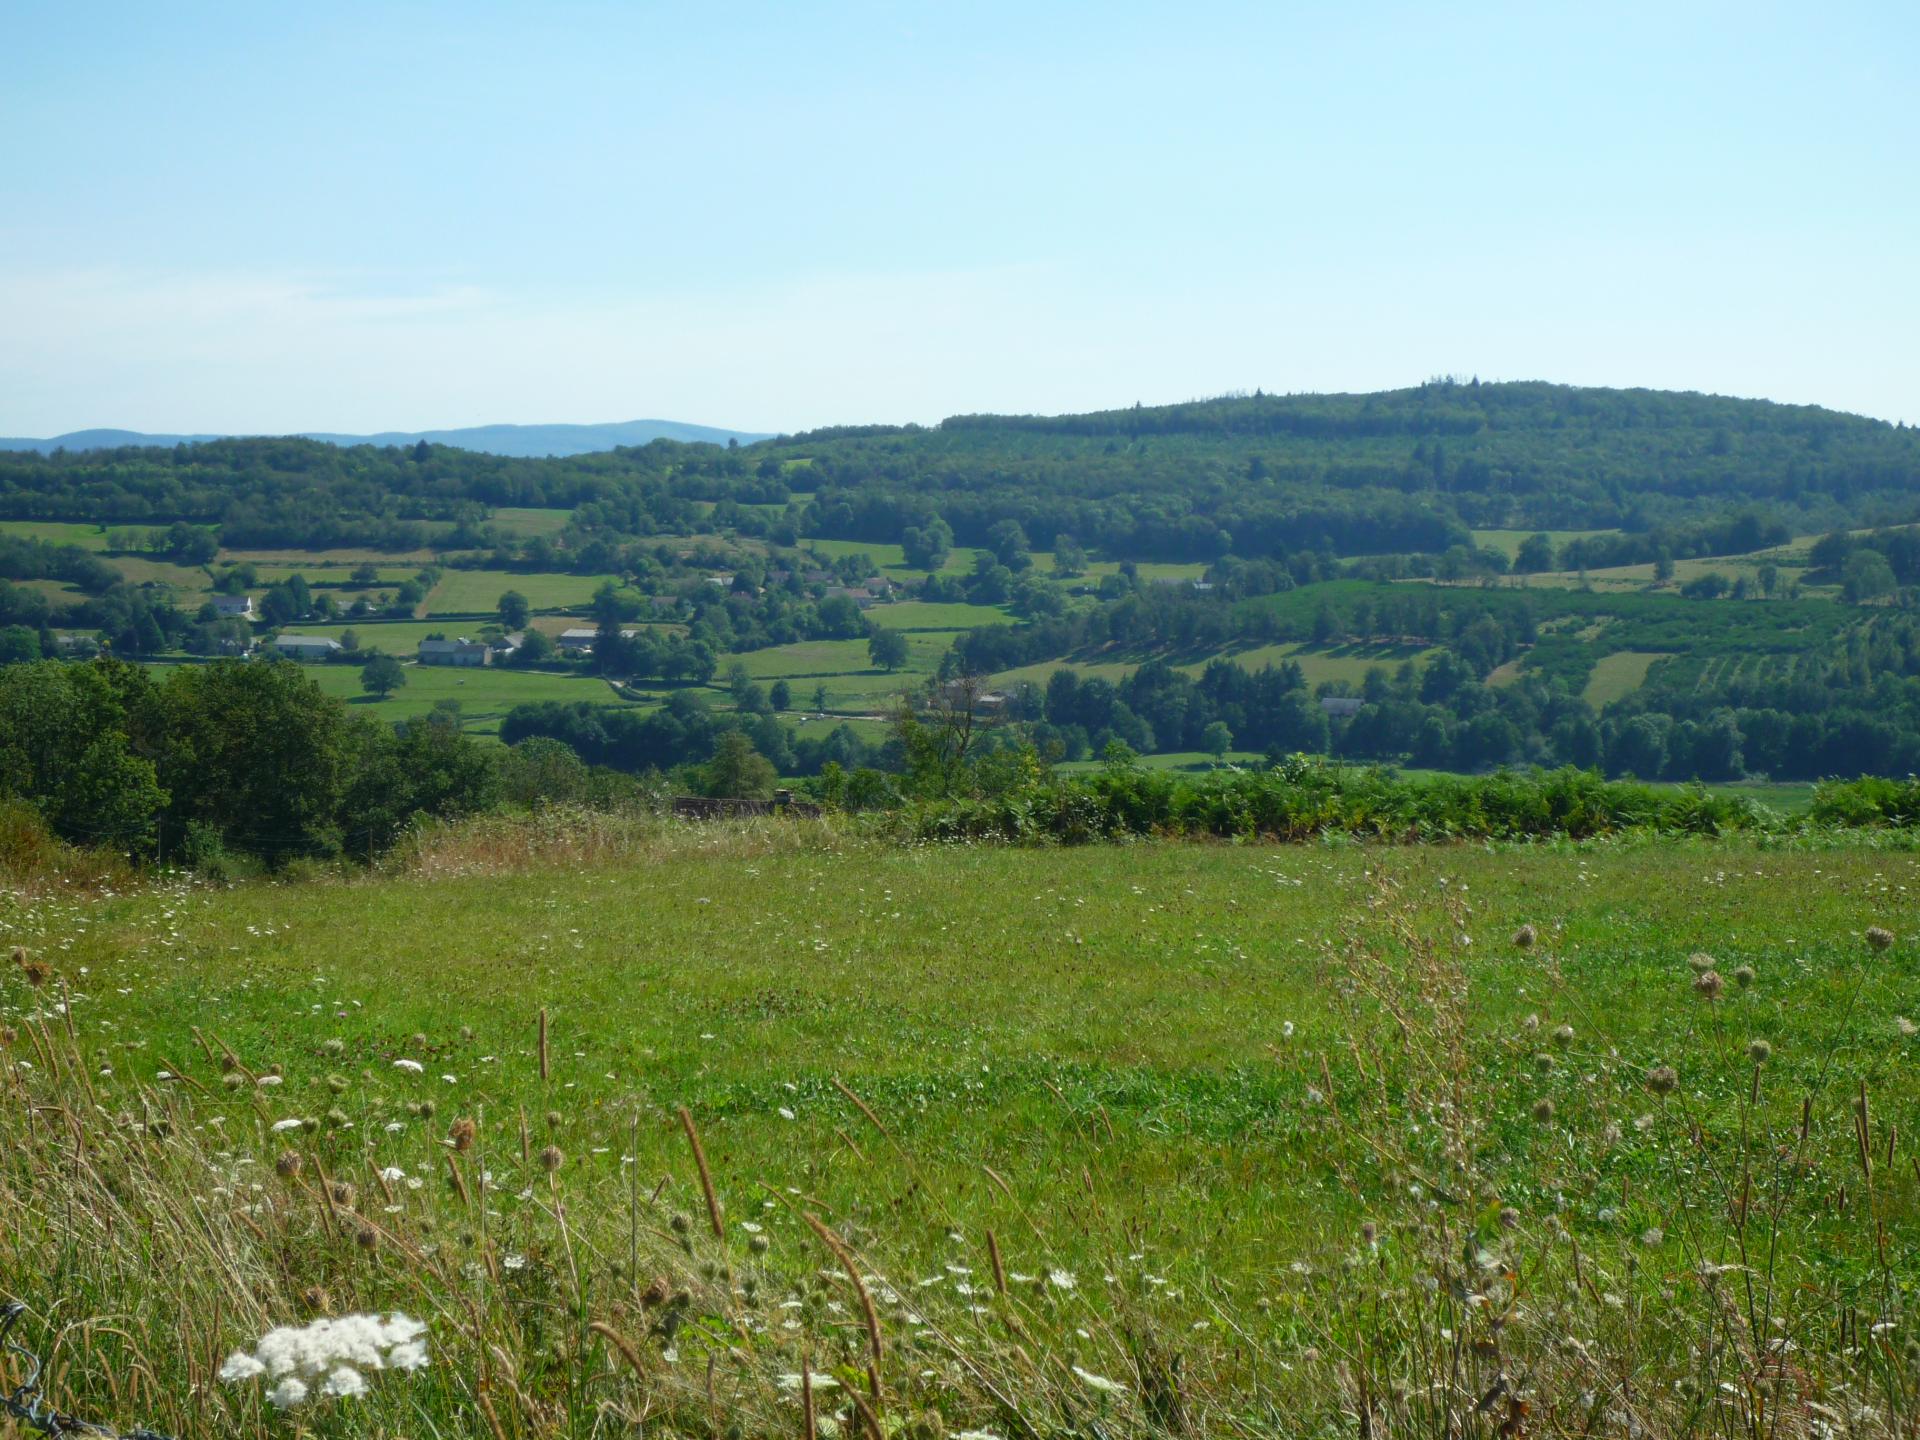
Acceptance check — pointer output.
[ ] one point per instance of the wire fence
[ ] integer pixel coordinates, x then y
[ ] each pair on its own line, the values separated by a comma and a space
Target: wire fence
25, 1403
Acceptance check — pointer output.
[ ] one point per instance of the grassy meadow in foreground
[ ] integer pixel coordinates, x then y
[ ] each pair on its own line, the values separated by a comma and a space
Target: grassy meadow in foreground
1148, 1139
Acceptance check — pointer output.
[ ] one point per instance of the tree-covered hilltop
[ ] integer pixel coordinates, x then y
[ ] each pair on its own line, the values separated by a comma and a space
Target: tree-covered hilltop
1264, 476
1398, 471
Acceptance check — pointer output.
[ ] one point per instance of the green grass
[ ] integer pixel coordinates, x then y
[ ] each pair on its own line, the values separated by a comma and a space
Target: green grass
469, 591
55, 532
485, 694
927, 615
528, 521
890, 558
852, 681
1618, 675
1181, 1076
1508, 542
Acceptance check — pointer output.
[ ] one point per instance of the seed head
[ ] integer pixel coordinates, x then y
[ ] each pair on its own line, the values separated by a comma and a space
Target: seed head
315, 1297
1663, 1080
417, 1040
337, 1084
34, 972
461, 1133
1708, 985
680, 1223
1369, 1233
757, 1244
1563, 1036
1878, 938
1759, 1052
8, 1035
341, 1193
1543, 1110
552, 1158
1543, 1062
554, 1119
334, 1047
1509, 1218
466, 1032
1743, 976
338, 1119
287, 1167
1525, 936
366, 1237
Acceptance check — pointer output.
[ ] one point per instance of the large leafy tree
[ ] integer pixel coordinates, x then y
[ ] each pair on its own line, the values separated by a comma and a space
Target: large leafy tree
737, 770
256, 752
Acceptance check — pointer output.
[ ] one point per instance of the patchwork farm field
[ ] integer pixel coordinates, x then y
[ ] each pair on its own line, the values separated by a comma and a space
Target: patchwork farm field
1126, 1140
485, 693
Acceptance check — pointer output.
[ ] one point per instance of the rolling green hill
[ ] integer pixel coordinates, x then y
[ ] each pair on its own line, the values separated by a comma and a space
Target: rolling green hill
1455, 575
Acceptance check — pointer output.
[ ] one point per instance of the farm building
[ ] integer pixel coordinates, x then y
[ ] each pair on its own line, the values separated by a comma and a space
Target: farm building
233, 607
305, 648
579, 640
1338, 706
454, 652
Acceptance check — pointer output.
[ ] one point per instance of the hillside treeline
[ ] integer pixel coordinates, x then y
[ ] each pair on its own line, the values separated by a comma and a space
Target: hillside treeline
1398, 472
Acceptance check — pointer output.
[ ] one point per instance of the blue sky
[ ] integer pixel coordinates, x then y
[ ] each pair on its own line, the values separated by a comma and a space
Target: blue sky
268, 217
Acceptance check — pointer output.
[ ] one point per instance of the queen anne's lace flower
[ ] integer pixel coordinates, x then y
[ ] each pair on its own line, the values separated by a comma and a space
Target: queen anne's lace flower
332, 1353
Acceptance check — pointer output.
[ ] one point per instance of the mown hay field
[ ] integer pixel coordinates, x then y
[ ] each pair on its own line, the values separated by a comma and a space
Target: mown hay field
1146, 1139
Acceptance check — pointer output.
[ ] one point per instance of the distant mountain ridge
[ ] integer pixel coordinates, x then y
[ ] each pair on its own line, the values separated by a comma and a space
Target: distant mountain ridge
525, 441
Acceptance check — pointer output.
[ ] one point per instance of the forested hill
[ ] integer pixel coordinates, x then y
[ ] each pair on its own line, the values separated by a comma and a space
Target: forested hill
1398, 472
1403, 470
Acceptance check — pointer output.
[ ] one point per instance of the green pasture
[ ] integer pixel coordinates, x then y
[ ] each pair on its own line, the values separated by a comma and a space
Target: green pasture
1226, 1101
528, 521
469, 591
485, 693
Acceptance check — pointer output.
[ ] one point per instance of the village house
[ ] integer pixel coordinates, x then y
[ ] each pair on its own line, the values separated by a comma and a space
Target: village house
454, 652
305, 648
233, 607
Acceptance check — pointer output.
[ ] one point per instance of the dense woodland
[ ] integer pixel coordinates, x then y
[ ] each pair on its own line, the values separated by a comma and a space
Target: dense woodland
1399, 471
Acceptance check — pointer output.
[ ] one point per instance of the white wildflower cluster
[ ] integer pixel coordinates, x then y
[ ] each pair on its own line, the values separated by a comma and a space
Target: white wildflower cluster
327, 1356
